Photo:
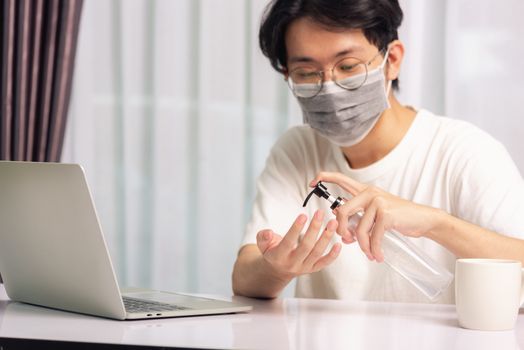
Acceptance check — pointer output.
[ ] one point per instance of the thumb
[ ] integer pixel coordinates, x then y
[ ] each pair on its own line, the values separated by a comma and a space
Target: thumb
264, 239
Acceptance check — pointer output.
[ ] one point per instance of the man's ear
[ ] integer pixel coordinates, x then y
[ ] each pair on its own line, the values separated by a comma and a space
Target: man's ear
396, 55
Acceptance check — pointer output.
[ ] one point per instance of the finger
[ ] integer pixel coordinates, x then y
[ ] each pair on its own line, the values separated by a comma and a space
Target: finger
352, 186
310, 237
290, 240
328, 258
363, 231
348, 220
376, 237
360, 202
342, 216
264, 240
348, 240
347, 230
321, 245
367, 221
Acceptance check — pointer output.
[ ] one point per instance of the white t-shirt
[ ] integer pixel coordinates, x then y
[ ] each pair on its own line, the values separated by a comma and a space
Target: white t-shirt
440, 162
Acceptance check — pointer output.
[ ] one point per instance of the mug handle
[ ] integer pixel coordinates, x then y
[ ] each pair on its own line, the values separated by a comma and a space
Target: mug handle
522, 290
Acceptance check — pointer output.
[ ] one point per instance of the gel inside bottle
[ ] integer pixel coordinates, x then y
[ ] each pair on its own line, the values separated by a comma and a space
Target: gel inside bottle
429, 277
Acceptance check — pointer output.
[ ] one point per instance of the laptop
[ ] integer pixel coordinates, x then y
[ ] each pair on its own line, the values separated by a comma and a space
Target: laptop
53, 252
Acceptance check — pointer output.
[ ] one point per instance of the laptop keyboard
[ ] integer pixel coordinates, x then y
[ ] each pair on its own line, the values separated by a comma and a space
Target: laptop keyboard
133, 305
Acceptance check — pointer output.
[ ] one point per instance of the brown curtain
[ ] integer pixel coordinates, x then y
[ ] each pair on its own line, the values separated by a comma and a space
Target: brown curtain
37, 54
38, 44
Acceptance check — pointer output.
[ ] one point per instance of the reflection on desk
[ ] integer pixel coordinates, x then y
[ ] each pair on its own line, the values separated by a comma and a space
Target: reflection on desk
277, 324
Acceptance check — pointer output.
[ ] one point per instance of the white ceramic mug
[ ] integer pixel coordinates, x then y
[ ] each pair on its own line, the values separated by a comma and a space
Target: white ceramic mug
488, 293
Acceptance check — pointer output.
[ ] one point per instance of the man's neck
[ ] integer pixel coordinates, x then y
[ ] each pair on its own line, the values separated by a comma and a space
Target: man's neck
390, 129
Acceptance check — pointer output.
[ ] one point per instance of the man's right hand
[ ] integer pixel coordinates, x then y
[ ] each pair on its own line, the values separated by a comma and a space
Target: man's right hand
264, 270
290, 257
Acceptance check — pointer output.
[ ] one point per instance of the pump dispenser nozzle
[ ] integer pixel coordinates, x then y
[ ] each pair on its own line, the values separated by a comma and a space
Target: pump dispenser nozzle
321, 191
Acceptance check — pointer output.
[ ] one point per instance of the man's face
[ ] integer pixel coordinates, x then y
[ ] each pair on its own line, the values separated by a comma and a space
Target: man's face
309, 43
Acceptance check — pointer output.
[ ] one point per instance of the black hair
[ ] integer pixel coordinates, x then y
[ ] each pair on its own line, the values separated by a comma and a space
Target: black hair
378, 20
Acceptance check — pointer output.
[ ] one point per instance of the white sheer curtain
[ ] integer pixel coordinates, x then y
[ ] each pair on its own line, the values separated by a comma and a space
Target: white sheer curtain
175, 109
464, 60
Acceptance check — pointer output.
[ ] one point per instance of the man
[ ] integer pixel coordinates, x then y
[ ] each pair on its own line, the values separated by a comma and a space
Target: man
449, 187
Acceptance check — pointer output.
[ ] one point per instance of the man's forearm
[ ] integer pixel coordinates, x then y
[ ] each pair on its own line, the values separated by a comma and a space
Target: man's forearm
253, 277
467, 240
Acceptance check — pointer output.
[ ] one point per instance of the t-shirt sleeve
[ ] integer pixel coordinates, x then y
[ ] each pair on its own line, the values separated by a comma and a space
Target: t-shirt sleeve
489, 189
279, 189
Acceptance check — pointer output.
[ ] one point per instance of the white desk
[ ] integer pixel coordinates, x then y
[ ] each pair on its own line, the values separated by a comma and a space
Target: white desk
279, 324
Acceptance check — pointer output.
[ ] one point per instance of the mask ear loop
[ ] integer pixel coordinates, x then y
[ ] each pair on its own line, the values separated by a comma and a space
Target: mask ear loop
387, 89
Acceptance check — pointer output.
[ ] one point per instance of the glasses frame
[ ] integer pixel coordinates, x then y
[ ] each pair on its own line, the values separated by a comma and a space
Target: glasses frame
321, 75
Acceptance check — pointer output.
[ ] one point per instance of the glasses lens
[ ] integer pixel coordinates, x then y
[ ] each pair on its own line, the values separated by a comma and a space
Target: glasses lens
350, 73
305, 81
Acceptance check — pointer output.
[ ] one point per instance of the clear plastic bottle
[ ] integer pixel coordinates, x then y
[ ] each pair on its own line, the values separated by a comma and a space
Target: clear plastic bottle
429, 277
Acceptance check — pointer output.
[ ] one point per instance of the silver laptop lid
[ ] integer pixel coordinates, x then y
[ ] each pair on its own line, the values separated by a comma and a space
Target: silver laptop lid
52, 251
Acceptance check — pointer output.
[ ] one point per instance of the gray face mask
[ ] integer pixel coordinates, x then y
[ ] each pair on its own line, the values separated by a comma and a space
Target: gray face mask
343, 116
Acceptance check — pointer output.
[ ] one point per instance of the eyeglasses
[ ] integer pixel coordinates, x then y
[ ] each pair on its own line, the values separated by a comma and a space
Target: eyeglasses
349, 73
